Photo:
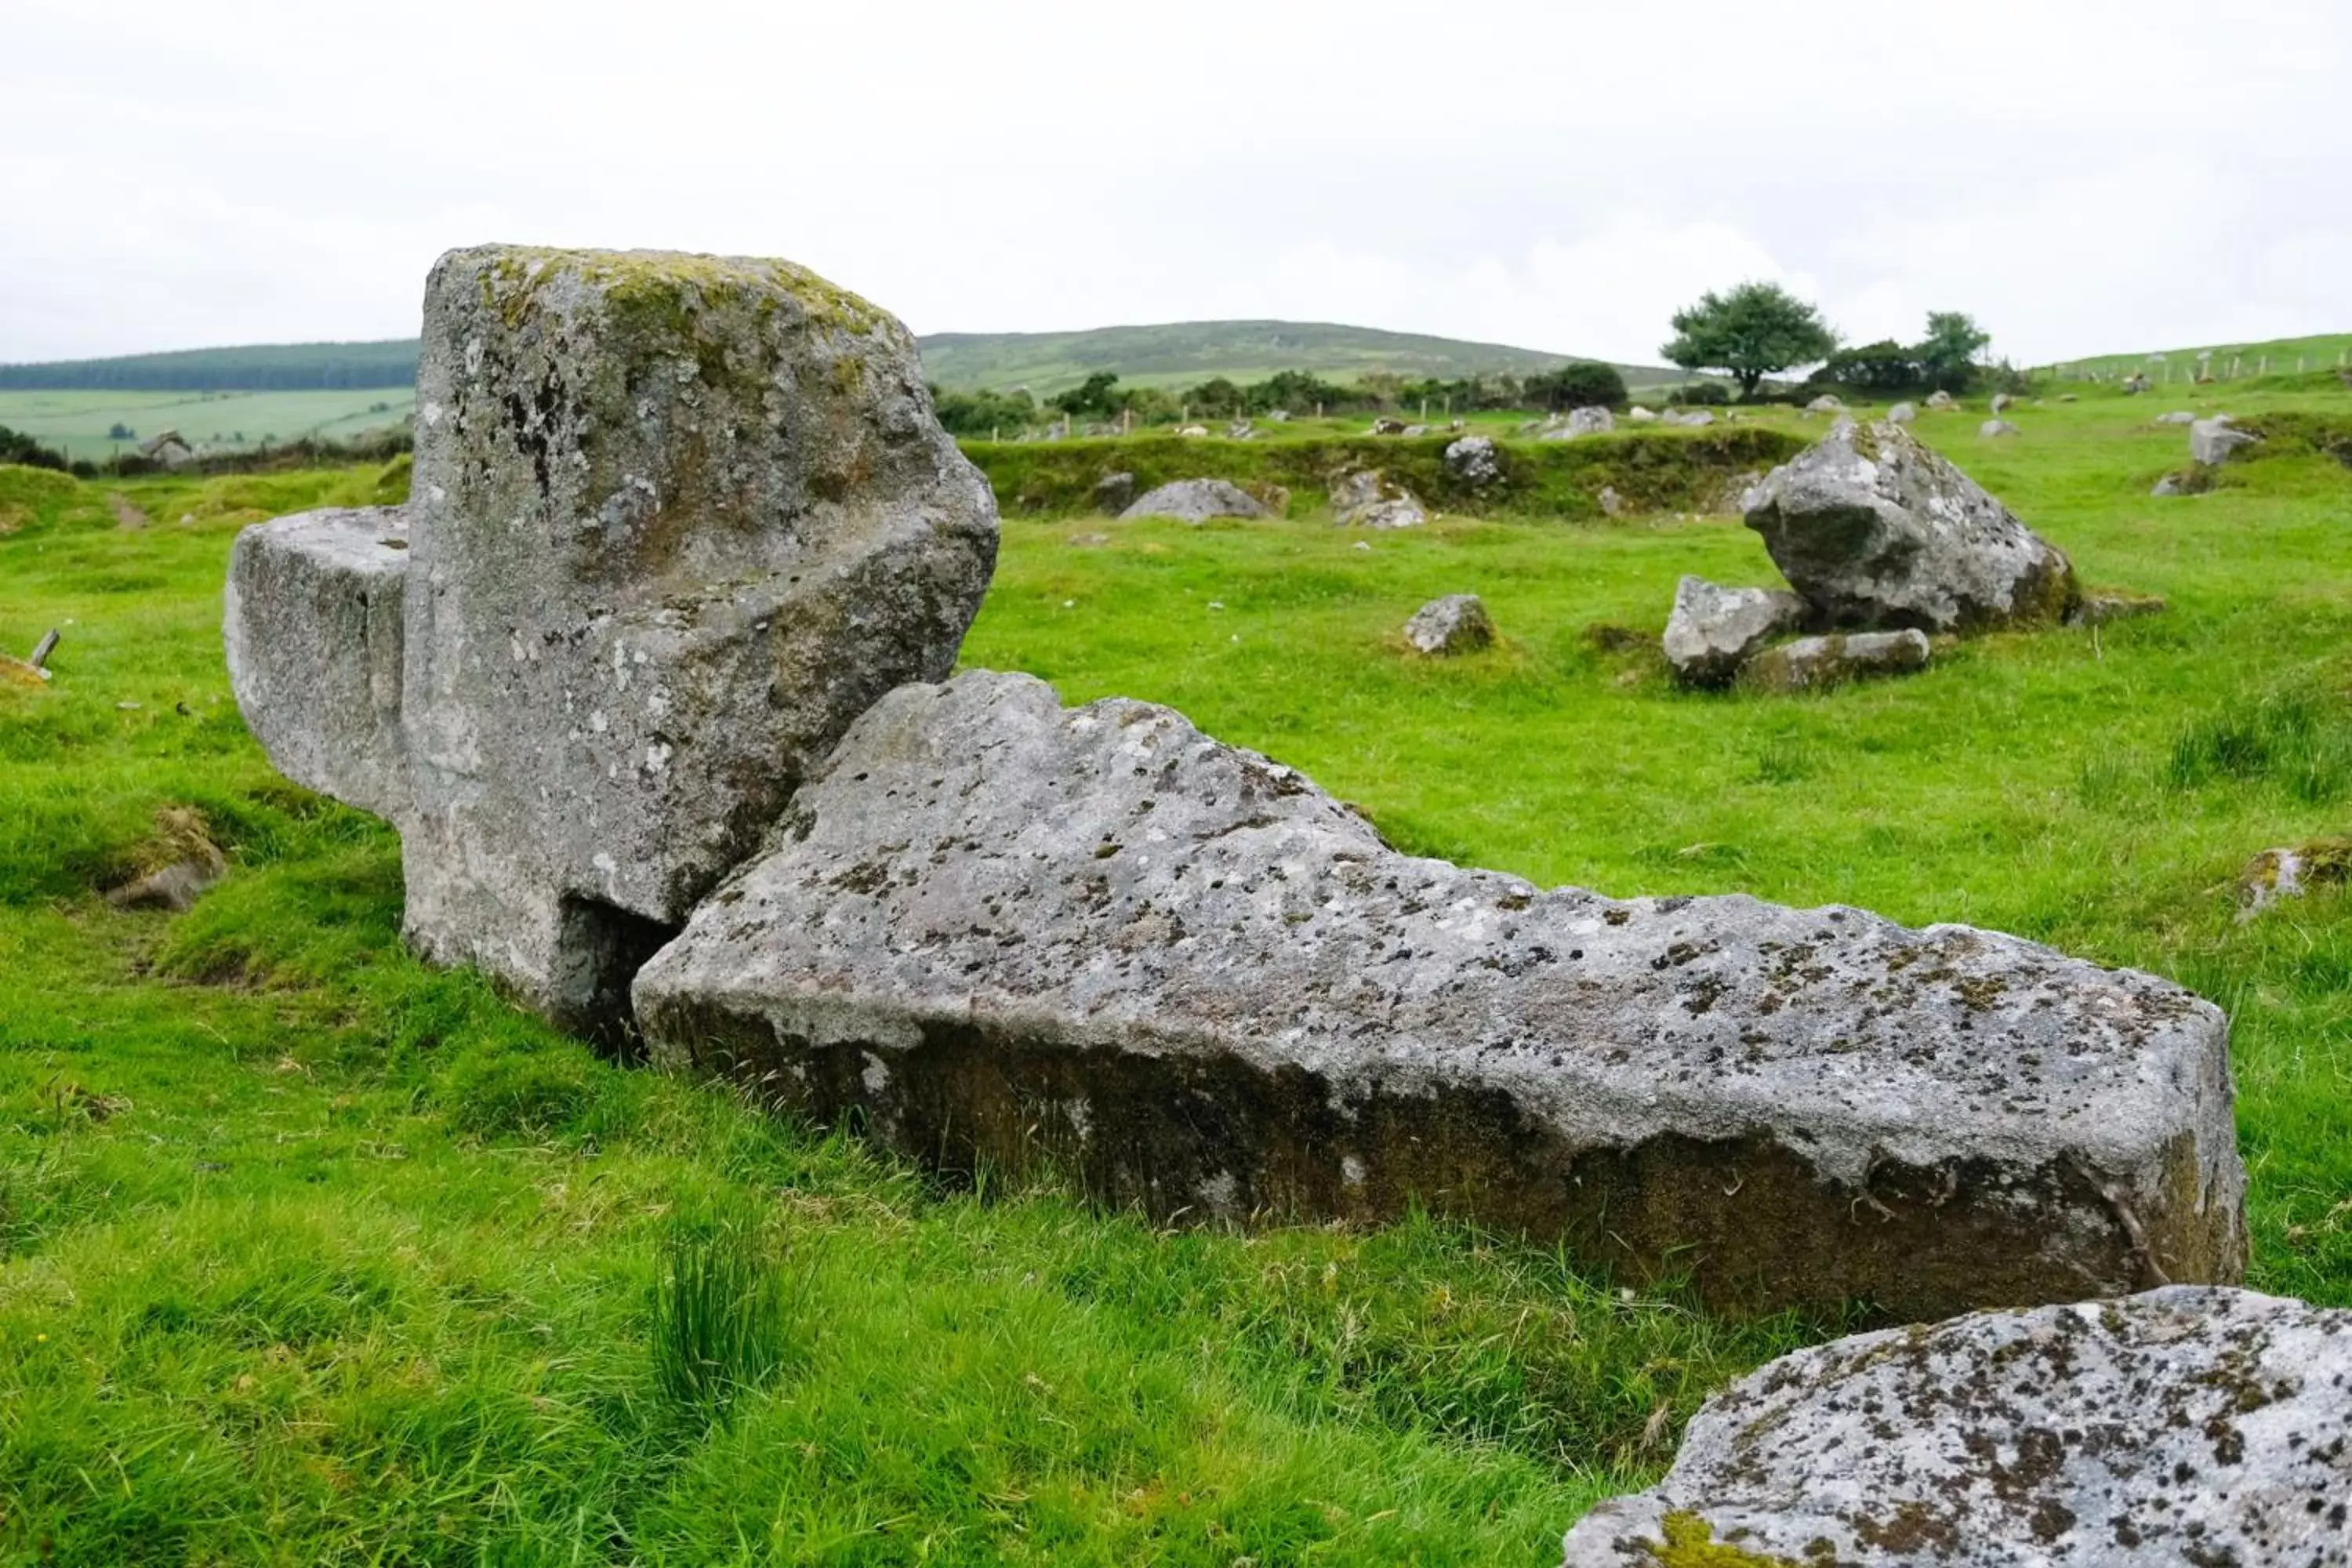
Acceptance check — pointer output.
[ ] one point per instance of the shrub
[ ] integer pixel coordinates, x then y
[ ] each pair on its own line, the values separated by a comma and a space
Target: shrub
1701, 393
1580, 383
17, 447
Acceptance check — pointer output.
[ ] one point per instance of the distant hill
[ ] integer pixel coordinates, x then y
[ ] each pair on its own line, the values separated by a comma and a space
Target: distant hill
2327, 352
1174, 355
1185, 353
262, 367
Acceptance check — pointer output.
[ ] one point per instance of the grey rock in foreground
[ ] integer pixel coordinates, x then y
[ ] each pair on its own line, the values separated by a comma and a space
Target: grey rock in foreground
1812, 663
1194, 501
1714, 630
676, 521
1368, 498
313, 634
2184, 1425
2210, 441
1457, 623
1875, 530
992, 930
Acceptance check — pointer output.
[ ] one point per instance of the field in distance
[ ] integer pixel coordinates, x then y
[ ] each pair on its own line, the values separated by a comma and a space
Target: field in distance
81, 423
1187, 352
2284, 356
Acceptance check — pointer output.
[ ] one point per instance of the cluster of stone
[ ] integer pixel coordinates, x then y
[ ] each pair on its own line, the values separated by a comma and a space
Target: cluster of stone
651, 675
676, 521
1876, 533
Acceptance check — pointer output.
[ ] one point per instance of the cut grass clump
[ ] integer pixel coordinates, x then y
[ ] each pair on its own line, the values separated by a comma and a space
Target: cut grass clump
725, 1314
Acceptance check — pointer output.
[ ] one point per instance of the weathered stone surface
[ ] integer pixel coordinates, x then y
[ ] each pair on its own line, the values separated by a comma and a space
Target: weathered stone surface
1474, 461
1713, 630
1457, 623
2189, 1424
1369, 499
181, 864
315, 651
992, 929
2210, 441
1902, 414
2177, 416
2168, 487
2002, 402
1641, 415
1611, 503
1825, 403
676, 521
1196, 501
1114, 493
1813, 662
1593, 421
1873, 529
1694, 418
1994, 430
1941, 401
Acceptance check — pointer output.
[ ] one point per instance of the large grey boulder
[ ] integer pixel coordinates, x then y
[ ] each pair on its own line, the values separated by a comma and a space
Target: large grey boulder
2210, 441
676, 521
1811, 664
1714, 630
1458, 623
1368, 498
316, 655
2185, 1425
1474, 461
1194, 501
1873, 529
992, 930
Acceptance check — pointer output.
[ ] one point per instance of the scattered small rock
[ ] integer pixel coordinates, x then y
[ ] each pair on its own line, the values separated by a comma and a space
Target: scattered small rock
1593, 421
1368, 499
1825, 404
1713, 630
2002, 402
1457, 623
1089, 540
1638, 414
2098, 609
1942, 401
1812, 663
126, 516
1611, 503
2177, 416
1196, 501
1993, 429
2291, 872
1902, 414
1387, 427
182, 864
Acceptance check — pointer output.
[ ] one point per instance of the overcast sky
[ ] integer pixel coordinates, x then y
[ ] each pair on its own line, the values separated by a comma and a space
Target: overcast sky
2083, 176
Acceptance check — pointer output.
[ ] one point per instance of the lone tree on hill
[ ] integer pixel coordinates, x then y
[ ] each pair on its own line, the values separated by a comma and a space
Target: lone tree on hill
1756, 330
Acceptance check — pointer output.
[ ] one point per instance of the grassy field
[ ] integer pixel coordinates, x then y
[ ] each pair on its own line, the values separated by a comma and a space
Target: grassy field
76, 422
309, 1254
2326, 351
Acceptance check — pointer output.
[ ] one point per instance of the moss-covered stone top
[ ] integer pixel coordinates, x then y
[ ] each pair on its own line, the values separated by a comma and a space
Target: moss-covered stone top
635, 279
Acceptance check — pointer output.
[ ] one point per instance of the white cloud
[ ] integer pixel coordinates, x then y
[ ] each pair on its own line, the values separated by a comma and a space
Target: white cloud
2081, 176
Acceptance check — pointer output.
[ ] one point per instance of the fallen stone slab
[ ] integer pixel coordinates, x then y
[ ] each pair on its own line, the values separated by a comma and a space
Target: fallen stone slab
992, 930
675, 522
2185, 1425
1458, 623
316, 654
1194, 501
1815, 663
2113, 604
1876, 529
1714, 630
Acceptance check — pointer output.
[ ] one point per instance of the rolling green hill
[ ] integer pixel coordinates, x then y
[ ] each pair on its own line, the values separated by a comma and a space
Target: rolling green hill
2329, 351
1178, 354
256, 367
1183, 354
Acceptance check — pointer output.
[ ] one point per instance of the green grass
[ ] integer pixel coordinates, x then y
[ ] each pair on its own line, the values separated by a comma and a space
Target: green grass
76, 422
2326, 351
311, 1254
